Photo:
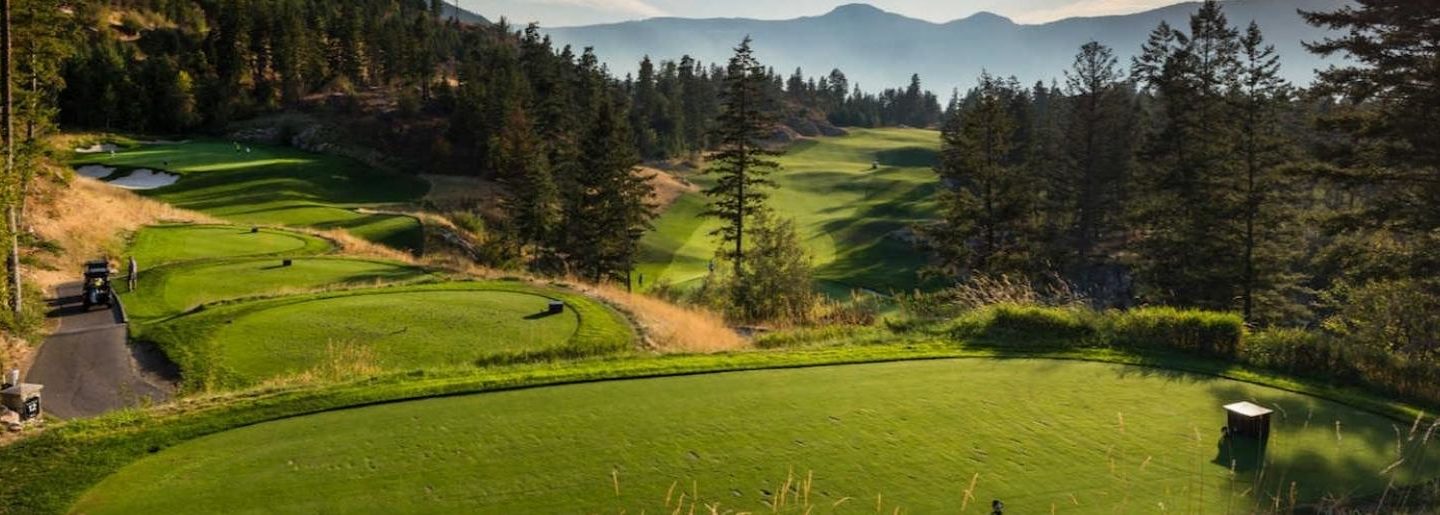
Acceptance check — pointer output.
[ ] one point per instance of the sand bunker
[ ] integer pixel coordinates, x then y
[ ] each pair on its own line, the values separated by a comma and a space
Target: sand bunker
95, 171
97, 148
145, 180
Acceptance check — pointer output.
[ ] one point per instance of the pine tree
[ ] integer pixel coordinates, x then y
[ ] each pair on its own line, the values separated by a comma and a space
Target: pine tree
987, 201
1268, 283
1389, 117
1191, 249
611, 200
779, 278
1097, 147
530, 195
742, 164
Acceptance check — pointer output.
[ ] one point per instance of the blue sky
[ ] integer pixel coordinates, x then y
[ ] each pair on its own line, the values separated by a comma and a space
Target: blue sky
558, 13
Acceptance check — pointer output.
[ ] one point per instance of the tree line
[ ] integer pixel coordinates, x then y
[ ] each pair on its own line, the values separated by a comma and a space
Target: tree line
1195, 176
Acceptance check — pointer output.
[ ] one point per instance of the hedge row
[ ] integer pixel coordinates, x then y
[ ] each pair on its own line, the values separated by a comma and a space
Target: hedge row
1293, 352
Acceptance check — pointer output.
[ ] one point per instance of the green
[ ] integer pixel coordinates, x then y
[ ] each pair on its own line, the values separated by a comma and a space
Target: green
271, 185
394, 328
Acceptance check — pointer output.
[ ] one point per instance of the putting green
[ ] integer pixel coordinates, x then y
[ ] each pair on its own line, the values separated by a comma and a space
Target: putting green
161, 244
263, 184
1073, 437
394, 328
174, 289
851, 214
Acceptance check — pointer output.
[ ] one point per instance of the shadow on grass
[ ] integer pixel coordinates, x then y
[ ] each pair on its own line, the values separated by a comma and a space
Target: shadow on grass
1240, 453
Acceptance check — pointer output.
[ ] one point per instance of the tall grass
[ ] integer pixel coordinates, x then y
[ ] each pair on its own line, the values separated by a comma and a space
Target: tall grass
669, 327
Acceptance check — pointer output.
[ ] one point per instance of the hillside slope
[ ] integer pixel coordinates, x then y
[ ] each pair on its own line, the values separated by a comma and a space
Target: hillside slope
878, 49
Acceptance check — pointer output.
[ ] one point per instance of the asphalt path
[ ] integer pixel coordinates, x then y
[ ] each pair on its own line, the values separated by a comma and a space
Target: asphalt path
87, 366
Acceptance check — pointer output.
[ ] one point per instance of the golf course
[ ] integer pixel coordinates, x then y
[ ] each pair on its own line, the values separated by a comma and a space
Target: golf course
233, 306
328, 380
271, 185
852, 199
920, 436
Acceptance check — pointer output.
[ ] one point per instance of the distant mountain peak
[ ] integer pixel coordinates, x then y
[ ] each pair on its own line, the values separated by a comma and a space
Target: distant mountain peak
856, 10
987, 17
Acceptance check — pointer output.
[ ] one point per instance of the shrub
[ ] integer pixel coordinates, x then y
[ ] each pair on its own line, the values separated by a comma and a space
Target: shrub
1205, 332
1031, 324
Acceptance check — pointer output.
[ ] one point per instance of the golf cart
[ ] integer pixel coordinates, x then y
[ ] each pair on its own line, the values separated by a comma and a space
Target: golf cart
97, 284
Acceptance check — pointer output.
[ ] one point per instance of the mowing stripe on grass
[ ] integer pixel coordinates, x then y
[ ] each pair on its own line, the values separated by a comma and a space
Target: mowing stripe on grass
238, 344
1038, 432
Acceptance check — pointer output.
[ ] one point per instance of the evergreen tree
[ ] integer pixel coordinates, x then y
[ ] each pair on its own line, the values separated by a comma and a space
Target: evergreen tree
612, 200
742, 164
1389, 116
1270, 241
1190, 253
778, 281
1097, 148
530, 196
986, 206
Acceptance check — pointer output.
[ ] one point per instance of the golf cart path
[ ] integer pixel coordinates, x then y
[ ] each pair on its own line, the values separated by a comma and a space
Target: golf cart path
87, 366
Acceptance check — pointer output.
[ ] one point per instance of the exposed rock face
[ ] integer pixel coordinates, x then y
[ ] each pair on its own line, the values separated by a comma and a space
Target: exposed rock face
830, 130
314, 137
783, 135
804, 127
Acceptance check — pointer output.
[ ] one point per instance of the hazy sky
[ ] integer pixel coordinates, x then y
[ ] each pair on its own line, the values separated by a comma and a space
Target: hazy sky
558, 13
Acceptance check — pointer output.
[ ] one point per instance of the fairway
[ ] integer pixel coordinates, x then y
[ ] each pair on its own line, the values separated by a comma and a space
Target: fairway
270, 185
161, 244
851, 217
1075, 437
173, 289
394, 328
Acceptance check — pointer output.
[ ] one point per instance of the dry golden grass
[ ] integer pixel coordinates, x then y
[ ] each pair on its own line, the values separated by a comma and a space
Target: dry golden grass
665, 186
86, 218
453, 187
667, 327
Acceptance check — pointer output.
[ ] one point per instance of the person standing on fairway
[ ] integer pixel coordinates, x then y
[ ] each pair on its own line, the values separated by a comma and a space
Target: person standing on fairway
134, 278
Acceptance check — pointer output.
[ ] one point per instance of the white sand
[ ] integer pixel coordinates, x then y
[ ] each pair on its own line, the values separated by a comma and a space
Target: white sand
95, 171
145, 180
97, 148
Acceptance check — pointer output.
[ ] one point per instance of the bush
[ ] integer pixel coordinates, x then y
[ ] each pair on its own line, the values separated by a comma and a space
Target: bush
1204, 332
1017, 324
1335, 359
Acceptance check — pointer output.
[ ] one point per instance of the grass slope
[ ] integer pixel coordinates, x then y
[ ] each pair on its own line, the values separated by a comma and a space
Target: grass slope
394, 328
277, 185
157, 245
847, 213
174, 289
1083, 437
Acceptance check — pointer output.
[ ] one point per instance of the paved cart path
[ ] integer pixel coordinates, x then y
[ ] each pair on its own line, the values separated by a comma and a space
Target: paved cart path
87, 366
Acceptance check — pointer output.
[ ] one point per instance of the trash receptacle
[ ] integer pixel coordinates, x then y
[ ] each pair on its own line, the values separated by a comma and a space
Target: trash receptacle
556, 307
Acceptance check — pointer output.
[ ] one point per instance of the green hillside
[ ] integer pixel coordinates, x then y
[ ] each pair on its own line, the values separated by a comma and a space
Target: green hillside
849, 212
269, 185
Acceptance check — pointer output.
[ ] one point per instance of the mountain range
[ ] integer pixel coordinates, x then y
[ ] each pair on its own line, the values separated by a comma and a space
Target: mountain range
878, 49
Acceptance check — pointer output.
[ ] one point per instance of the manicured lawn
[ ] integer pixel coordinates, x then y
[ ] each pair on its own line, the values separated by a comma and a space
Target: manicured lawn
849, 215
173, 289
161, 244
393, 328
1076, 437
277, 185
